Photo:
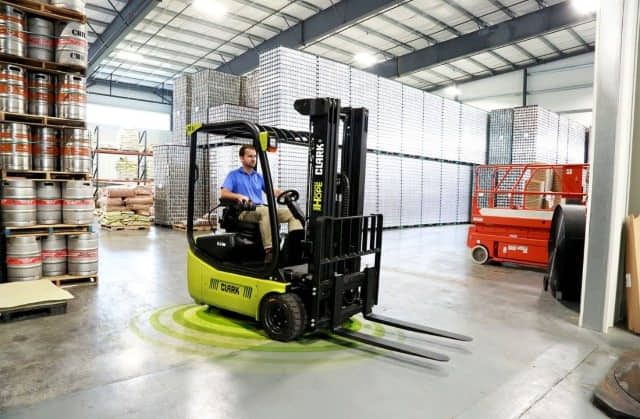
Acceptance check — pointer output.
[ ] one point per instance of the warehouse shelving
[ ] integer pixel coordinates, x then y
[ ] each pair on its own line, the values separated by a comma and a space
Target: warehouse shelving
141, 155
46, 10
32, 64
42, 66
39, 230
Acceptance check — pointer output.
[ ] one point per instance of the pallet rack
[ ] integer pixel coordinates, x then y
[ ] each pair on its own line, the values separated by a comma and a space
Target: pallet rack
142, 162
32, 64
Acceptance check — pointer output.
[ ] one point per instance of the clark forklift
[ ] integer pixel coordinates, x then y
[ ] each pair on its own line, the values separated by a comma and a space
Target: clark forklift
315, 280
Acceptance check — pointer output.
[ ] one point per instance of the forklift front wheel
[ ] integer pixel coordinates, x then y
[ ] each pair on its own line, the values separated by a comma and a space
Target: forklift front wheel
284, 316
480, 254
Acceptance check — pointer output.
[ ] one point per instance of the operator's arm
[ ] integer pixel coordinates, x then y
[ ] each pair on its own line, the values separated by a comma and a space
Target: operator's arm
227, 194
277, 192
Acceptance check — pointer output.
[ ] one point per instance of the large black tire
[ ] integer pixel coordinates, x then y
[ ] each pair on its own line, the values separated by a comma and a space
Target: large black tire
283, 316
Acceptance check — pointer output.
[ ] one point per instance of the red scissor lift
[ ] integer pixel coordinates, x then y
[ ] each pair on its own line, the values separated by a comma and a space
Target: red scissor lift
506, 227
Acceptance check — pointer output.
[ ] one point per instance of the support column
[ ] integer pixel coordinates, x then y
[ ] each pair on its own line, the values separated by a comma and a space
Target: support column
525, 88
615, 90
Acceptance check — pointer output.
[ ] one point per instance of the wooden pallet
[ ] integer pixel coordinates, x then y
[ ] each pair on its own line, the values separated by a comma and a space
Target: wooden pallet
49, 230
42, 175
41, 66
22, 313
46, 10
182, 227
120, 228
67, 281
45, 121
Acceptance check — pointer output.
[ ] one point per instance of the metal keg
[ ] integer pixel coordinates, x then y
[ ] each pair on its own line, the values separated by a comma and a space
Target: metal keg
15, 146
76, 151
71, 44
49, 203
13, 92
82, 254
24, 261
40, 94
77, 202
71, 97
46, 148
40, 43
12, 35
18, 203
54, 255
77, 5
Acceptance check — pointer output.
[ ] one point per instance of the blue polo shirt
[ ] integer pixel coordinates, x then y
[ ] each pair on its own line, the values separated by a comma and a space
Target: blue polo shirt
250, 185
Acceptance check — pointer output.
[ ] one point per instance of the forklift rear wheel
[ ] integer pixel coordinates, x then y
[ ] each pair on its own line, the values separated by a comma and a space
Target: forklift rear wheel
284, 316
480, 254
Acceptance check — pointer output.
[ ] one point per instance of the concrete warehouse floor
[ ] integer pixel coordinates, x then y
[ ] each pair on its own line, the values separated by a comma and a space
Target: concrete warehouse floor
119, 353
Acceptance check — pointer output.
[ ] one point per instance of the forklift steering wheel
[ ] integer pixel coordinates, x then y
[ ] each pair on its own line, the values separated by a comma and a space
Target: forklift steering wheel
288, 195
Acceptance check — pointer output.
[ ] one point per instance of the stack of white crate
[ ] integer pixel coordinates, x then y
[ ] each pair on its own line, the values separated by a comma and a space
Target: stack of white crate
432, 126
431, 191
334, 80
411, 144
500, 136
576, 143
371, 185
473, 141
412, 202
562, 152
181, 107
250, 90
171, 182
449, 193
364, 94
390, 111
464, 192
211, 88
402, 120
390, 189
451, 130
535, 135
226, 112
412, 121
285, 76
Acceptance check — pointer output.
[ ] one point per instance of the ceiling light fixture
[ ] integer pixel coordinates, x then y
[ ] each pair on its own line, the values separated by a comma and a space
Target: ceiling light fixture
586, 6
211, 8
365, 59
130, 56
452, 91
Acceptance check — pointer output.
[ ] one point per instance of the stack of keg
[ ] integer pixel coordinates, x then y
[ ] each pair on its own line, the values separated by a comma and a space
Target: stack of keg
29, 203
41, 93
30, 258
36, 203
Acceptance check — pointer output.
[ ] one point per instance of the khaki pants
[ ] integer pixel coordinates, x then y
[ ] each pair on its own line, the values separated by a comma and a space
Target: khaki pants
261, 217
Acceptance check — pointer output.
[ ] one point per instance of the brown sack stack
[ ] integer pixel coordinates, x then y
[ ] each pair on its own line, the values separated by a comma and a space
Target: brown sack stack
127, 207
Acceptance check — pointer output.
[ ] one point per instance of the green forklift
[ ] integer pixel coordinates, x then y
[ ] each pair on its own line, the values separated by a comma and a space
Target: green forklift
315, 280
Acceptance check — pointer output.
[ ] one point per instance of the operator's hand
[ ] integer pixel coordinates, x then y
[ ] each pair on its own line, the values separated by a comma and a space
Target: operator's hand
242, 198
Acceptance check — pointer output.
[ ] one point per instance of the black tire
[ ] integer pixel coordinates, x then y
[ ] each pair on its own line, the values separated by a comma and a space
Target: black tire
283, 316
480, 255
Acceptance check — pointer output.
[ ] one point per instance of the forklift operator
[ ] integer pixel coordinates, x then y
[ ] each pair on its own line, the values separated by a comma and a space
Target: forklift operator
245, 184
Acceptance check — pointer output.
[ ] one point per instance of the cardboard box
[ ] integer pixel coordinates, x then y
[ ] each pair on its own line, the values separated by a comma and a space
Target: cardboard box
534, 201
632, 263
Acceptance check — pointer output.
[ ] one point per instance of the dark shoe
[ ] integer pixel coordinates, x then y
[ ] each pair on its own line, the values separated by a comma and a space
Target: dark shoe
268, 257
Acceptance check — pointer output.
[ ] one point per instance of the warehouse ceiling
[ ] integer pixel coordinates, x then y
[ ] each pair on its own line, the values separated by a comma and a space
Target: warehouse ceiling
147, 43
